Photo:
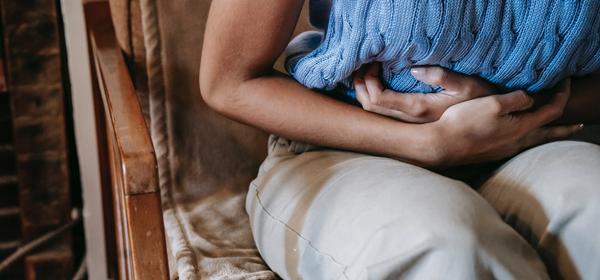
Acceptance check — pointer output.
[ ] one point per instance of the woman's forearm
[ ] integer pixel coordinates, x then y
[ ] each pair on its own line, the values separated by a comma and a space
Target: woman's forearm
242, 41
281, 106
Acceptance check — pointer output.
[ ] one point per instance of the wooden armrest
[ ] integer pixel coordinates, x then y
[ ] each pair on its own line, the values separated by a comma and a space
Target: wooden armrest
125, 114
136, 243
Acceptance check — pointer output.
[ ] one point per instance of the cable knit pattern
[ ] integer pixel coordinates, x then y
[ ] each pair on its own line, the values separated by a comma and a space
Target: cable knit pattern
517, 44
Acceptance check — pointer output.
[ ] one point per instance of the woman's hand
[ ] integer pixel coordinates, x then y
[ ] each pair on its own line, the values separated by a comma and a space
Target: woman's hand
496, 127
245, 88
417, 108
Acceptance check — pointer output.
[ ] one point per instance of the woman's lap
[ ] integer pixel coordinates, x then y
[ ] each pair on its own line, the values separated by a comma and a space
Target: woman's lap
326, 214
551, 196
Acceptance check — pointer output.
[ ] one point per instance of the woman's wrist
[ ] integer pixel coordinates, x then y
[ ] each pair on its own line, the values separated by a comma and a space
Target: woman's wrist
426, 147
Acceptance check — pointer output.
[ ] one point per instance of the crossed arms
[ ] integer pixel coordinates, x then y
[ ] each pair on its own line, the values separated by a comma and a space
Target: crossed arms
244, 38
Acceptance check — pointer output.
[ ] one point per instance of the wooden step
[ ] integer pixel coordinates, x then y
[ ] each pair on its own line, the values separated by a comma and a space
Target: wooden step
9, 245
7, 248
8, 180
9, 211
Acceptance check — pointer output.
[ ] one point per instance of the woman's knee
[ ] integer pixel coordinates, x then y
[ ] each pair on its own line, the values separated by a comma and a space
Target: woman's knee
551, 195
563, 159
454, 224
466, 233
557, 177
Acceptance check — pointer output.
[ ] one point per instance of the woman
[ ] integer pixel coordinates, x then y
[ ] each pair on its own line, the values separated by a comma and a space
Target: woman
370, 206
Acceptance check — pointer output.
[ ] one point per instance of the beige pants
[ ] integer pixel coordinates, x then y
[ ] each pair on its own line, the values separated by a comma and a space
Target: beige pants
324, 214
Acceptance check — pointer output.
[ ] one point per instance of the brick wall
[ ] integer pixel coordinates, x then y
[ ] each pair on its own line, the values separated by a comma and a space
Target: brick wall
32, 40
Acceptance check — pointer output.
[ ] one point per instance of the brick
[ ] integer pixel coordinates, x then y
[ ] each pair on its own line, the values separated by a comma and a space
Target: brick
15, 9
34, 69
39, 101
32, 40
43, 193
34, 32
39, 135
34, 76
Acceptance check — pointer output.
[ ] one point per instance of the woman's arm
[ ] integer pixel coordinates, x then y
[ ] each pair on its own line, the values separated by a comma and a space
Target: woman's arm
244, 38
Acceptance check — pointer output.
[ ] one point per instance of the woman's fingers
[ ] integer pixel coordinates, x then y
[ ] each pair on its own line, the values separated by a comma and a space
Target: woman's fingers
466, 86
362, 95
379, 96
423, 108
373, 82
504, 104
535, 121
360, 87
551, 111
418, 108
518, 101
395, 114
549, 134
406, 107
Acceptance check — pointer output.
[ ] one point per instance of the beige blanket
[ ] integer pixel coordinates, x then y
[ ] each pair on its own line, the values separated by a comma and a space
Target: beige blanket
210, 238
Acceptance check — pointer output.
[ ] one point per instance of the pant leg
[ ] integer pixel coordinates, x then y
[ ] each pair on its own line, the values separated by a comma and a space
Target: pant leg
551, 195
326, 214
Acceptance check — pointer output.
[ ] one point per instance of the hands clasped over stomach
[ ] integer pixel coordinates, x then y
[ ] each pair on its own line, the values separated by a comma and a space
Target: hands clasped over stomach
472, 123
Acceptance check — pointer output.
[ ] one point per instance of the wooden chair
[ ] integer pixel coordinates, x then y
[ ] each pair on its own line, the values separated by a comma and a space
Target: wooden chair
212, 159
133, 215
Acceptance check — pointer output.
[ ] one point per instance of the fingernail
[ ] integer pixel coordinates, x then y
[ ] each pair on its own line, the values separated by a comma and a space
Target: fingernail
418, 71
577, 128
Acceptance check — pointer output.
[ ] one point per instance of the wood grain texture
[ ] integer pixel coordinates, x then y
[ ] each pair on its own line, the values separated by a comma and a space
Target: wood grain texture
126, 18
130, 162
125, 115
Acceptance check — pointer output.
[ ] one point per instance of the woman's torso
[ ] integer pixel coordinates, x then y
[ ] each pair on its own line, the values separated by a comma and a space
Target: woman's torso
517, 44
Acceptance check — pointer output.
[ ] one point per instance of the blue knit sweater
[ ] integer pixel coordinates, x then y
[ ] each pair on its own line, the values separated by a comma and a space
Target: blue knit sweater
516, 44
